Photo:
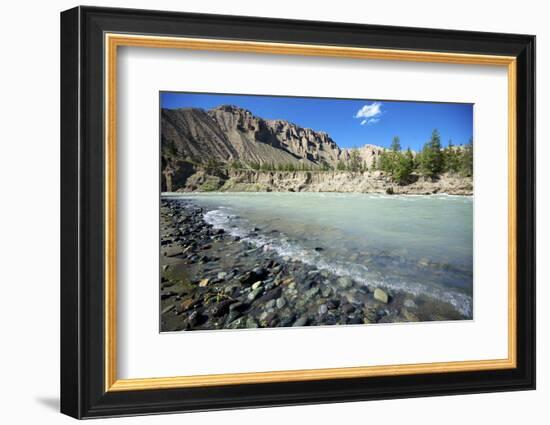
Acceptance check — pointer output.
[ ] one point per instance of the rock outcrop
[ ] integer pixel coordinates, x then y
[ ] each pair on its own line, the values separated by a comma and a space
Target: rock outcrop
229, 133
369, 154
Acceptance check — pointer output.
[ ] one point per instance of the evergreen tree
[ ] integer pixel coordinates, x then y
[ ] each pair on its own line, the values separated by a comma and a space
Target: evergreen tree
410, 159
432, 159
467, 160
451, 158
389, 160
395, 144
404, 167
385, 162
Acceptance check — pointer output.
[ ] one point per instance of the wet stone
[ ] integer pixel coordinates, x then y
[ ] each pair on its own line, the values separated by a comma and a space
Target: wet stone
270, 304
345, 282
326, 291
251, 323
254, 294
302, 321
381, 295
409, 303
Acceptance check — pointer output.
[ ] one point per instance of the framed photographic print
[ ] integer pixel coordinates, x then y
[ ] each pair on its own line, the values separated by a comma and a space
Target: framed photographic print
261, 212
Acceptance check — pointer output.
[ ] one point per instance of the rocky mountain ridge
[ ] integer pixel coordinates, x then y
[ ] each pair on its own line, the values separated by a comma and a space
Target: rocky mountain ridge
229, 133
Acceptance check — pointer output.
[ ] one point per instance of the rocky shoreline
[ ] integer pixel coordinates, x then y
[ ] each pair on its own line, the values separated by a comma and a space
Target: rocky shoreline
212, 280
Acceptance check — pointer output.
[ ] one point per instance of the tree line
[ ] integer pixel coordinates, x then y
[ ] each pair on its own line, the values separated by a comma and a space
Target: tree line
431, 161
400, 165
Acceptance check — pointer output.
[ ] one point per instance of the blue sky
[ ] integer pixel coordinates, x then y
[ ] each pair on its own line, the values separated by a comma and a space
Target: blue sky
350, 122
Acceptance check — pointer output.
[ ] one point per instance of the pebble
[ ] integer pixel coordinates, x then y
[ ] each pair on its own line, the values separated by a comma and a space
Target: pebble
238, 306
409, 303
234, 314
167, 309
345, 281
409, 316
251, 323
333, 304
311, 293
326, 291
381, 296
281, 302
254, 294
302, 321
354, 297
347, 308
270, 304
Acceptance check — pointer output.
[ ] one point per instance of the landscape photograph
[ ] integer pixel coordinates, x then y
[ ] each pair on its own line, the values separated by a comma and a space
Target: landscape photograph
280, 211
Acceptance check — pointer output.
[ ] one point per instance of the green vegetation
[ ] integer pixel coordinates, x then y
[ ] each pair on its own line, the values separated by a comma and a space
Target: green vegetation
431, 161
212, 164
355, 164
466, 162
431, 156
210, 184
395, 144
236, 165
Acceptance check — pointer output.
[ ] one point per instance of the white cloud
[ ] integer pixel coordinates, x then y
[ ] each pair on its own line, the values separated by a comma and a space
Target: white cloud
369, 113
370, 121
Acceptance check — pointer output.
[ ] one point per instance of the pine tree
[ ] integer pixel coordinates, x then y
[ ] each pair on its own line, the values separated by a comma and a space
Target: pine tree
451, 158
384, 162
410, 158
404, 167
395, 144
467, 160
432, 159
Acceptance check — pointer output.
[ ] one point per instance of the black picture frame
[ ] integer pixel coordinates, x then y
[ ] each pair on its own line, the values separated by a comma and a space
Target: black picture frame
83, 392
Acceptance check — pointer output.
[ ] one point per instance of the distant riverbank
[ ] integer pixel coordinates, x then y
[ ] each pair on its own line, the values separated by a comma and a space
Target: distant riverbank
227, 180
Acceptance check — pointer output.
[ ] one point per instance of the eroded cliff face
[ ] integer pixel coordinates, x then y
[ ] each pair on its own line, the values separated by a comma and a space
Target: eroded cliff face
369, 154
229, 133
328, 181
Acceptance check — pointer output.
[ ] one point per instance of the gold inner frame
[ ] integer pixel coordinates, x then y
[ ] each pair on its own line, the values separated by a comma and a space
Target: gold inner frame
113, 41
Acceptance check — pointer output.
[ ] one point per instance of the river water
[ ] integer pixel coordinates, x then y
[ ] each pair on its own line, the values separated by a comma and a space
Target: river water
416, 244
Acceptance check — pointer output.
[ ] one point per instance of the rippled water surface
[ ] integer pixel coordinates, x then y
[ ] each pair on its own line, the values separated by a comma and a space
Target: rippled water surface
418, 244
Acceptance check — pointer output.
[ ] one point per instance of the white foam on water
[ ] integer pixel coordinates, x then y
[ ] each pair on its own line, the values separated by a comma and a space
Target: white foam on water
222, 218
